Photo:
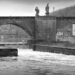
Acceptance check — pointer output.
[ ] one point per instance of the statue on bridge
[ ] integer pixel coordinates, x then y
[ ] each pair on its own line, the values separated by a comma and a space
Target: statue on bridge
37, 11
47, 9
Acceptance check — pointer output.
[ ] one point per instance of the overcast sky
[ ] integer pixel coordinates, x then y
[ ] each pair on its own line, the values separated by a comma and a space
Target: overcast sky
27, 7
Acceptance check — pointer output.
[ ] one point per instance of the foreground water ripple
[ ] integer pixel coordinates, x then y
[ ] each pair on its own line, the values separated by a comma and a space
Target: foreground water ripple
31, 62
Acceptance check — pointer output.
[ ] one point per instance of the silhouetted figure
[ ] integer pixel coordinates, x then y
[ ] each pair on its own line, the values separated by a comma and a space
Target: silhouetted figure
47, 10
37, 11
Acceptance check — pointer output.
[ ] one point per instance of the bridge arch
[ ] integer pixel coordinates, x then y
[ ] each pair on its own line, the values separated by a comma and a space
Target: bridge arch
20, 26
9, 30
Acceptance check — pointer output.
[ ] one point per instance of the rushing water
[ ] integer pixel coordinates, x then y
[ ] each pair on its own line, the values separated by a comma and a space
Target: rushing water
31, 62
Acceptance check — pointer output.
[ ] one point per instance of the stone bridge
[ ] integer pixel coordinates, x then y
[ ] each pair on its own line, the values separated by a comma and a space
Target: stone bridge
41, 27
26, 23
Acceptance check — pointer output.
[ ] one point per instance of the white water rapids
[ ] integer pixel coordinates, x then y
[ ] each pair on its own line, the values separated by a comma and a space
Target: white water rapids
31, 62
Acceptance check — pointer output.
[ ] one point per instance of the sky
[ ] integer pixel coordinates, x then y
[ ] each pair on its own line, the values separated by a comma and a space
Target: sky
27, 7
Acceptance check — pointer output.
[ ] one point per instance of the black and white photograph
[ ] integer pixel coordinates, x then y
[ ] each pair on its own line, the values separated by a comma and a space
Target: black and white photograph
37, 37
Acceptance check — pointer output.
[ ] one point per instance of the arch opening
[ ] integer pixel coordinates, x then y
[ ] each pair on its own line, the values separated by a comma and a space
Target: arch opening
10, 33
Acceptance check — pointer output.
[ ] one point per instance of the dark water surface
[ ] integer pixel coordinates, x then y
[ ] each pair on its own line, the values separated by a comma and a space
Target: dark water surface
29, 62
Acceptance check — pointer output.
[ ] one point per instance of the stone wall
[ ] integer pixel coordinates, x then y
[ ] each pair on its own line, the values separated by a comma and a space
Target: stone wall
64, 29
46, 27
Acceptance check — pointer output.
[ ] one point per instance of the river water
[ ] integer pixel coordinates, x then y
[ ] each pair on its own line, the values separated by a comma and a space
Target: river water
31, 62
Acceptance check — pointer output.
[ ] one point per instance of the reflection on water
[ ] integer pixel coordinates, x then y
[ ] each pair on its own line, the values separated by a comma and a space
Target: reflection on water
29, 62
